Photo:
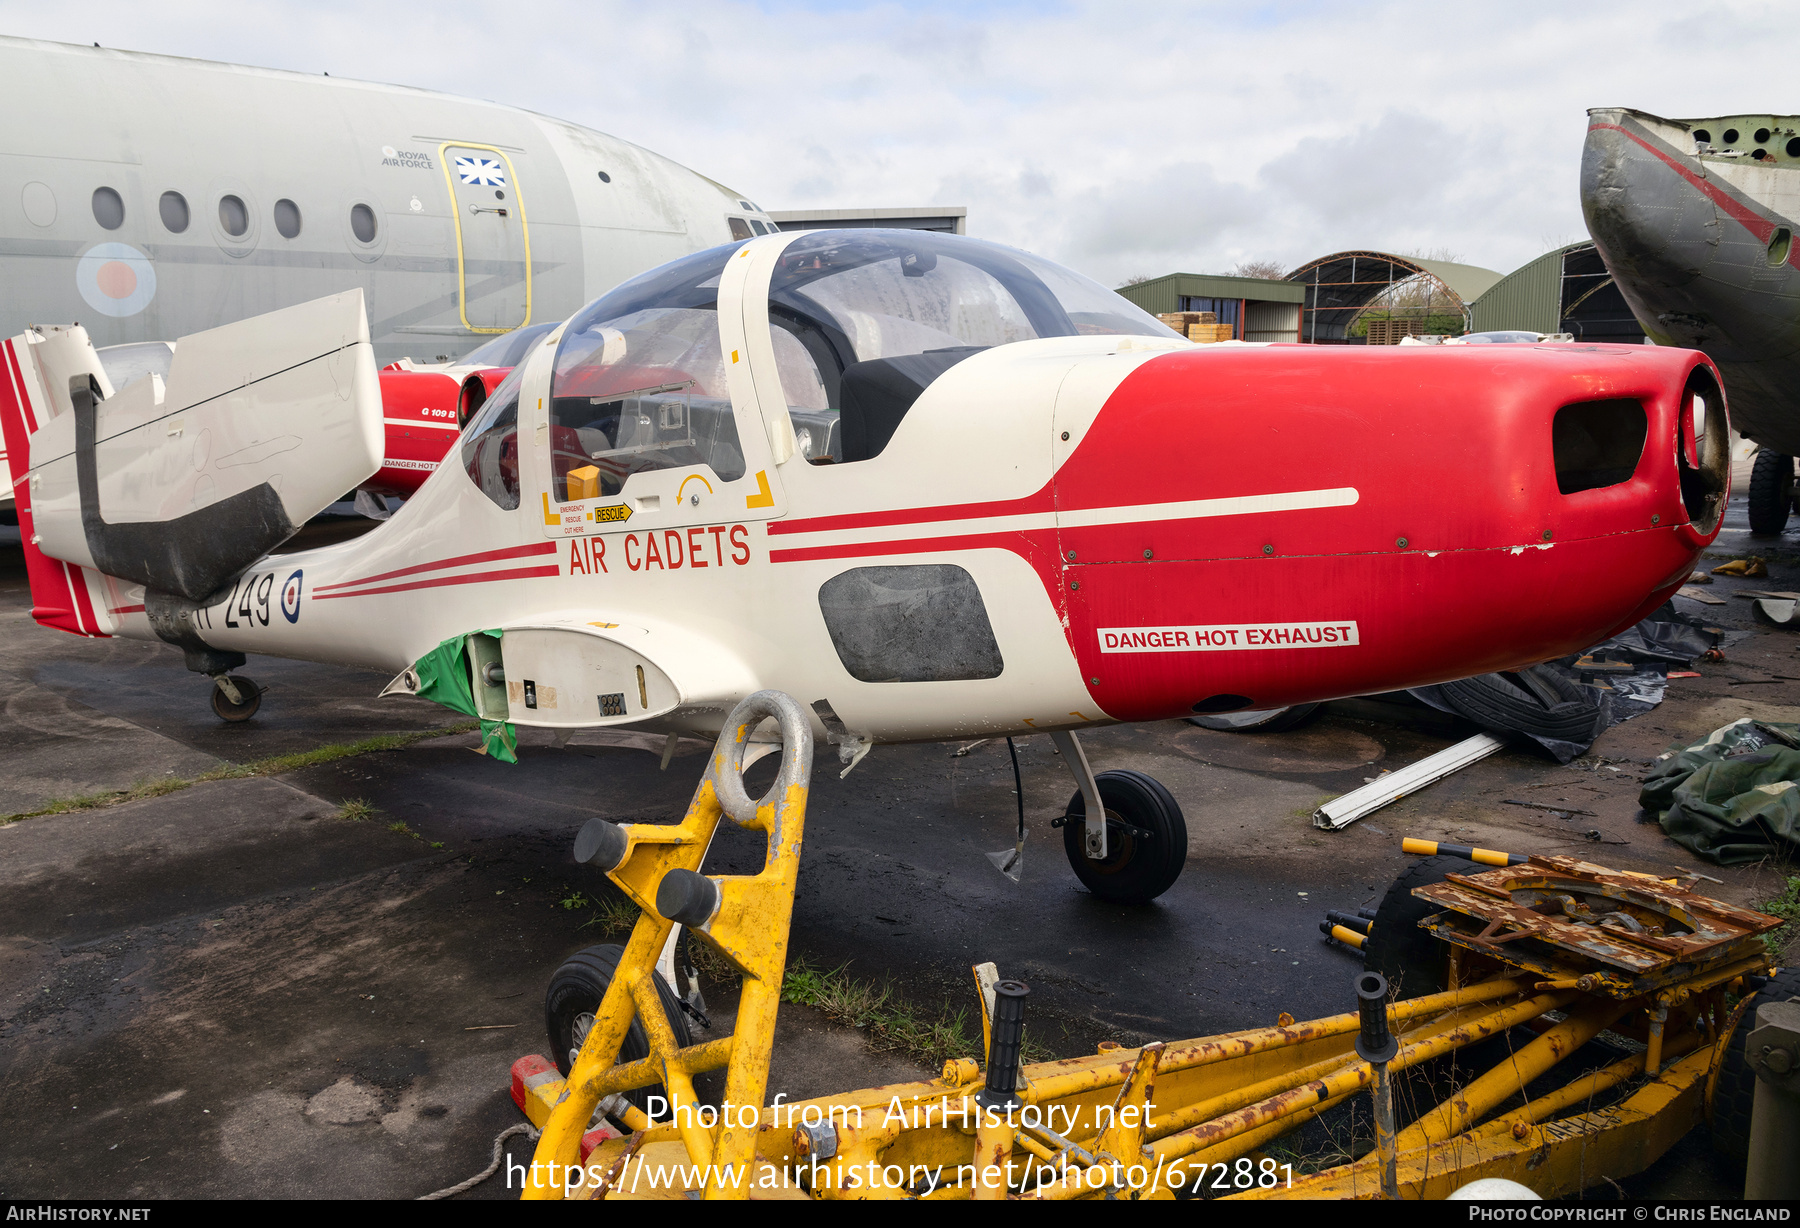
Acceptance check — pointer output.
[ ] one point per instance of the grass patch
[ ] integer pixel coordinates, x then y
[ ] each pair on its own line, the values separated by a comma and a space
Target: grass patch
702, 958
356, 809
104, 797
888, 1021
274, 765
611, 914
1787, 907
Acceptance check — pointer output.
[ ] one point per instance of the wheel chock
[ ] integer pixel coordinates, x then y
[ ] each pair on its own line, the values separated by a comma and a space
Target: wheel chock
536, 1087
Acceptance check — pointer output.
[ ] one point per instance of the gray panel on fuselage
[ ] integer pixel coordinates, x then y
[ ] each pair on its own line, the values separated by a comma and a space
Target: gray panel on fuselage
143, 126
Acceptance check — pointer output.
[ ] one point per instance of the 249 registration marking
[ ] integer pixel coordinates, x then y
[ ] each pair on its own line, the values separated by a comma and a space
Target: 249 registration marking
248, 604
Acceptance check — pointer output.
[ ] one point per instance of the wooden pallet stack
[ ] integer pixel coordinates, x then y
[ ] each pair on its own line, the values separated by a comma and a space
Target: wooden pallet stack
1202, 326
1389, 331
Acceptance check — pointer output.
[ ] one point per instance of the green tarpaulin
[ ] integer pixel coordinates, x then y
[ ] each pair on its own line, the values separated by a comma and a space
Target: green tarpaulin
444, 675
1734, 797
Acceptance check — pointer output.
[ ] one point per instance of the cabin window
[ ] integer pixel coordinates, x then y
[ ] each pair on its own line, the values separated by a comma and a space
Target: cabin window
362, 223
109, 208
234, 218
640, 383
638, 392
490, 444
881, 314
173, 209
287, 219
740, 229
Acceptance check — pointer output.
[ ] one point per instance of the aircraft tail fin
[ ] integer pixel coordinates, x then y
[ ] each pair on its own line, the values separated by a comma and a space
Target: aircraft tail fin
63, 595
180, 485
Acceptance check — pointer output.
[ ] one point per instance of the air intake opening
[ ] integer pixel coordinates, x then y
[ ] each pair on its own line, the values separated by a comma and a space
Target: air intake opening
1780, 243
1703, 453
1597, 443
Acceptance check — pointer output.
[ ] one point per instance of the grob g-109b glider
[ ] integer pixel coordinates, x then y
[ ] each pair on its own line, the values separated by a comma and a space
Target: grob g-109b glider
934, 487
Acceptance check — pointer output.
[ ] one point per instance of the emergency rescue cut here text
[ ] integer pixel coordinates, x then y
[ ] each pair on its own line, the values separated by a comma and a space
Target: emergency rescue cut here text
1228, 638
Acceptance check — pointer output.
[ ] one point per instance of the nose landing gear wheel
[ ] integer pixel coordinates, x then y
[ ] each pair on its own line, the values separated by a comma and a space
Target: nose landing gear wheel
244, 707
1146, 839
573, 997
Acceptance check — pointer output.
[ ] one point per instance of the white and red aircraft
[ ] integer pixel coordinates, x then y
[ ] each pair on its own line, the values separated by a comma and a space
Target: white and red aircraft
934, 487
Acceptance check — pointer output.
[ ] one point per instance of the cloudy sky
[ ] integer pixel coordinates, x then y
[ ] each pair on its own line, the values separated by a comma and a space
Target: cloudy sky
1119, 138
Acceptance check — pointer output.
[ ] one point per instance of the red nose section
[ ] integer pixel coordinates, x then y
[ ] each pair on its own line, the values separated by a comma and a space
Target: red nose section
1319, 522
418, 410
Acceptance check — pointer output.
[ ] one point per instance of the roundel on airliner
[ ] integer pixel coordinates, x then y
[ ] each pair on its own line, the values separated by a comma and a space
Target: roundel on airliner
116, 279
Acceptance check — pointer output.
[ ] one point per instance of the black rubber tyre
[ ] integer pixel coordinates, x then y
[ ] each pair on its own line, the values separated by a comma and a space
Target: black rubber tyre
1771, 492
1409, 957
228, 711
576, 989
1270, 720
1735, 1090
1534, 700
1136, 870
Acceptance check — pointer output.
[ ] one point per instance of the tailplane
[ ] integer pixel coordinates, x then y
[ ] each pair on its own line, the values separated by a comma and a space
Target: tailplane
177, 486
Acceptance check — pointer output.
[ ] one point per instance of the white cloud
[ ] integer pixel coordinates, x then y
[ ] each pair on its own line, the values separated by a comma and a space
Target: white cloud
1121, 139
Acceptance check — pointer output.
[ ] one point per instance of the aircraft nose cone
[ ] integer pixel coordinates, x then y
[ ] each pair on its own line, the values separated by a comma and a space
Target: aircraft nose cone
1361, 538
1655, 228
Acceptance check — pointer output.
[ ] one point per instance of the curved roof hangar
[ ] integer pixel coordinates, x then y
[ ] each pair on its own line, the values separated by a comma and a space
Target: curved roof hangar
1343, 285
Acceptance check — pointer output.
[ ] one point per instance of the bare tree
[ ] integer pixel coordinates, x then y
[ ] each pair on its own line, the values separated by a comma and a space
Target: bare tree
1432, 253
1268, 270
1138, 280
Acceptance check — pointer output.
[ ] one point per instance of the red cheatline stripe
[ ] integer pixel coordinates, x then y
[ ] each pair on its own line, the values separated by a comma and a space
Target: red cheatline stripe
1752, 221
440, 581
84, 605
486, 556
1039, 502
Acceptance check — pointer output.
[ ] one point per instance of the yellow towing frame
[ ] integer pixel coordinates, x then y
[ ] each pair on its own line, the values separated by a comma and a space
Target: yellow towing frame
1156, 1121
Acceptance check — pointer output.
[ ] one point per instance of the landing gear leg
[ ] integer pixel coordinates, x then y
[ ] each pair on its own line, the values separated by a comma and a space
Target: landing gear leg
1123, 832
235, 697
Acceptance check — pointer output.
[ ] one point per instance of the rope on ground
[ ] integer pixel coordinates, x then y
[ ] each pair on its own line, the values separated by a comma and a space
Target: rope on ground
499, 1150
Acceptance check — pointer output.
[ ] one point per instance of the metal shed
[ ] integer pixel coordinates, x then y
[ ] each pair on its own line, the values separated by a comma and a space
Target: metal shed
1341, 286
1563, 291
1257, 309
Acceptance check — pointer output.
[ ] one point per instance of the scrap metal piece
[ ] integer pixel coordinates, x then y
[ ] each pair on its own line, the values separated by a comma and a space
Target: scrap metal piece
1345, 810
1552, 913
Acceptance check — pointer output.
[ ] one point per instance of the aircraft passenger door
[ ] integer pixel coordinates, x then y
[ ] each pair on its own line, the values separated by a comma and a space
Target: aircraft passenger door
493, 241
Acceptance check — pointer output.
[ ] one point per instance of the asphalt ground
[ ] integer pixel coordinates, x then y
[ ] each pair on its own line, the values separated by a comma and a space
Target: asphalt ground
232, 990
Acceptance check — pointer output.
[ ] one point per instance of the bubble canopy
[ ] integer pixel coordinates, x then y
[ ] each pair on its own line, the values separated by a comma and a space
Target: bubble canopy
846, 296
859, 323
